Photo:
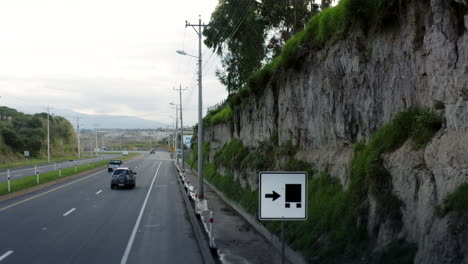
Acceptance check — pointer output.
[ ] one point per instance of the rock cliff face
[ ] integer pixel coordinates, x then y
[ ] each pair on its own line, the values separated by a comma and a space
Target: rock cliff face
342, 94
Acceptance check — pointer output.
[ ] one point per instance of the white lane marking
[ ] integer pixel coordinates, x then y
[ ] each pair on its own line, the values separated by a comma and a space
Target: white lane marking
99, 192
4, 256
137, 224
69, 212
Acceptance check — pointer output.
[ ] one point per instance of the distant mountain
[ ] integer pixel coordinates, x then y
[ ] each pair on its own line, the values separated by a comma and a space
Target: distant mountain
110, 122
117, 122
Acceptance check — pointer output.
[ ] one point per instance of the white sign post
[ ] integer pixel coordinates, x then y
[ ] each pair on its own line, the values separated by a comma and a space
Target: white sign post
8, 177
283, 196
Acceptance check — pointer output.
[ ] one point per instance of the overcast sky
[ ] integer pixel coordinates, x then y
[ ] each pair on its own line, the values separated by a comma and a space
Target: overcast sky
114, 57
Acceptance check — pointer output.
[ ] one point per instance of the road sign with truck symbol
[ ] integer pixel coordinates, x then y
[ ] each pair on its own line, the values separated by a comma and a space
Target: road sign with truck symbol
283, 196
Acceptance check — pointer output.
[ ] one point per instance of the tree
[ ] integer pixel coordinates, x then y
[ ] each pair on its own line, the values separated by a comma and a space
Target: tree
238, 31
285, 18
237, 34
11, 138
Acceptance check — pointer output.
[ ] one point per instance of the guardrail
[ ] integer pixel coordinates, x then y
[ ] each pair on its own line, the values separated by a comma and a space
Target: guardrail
9, 175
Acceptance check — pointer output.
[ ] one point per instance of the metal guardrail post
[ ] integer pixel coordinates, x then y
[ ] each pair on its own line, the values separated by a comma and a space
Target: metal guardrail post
8, 177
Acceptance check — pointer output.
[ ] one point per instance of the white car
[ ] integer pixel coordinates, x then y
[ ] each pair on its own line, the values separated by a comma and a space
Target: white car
125, 153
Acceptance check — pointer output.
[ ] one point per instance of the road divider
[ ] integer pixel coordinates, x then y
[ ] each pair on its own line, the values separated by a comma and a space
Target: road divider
15, 185
206, 251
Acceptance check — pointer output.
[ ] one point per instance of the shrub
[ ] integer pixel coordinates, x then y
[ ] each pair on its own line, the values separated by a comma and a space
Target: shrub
456, 201
232, 154
222, 116
399, 252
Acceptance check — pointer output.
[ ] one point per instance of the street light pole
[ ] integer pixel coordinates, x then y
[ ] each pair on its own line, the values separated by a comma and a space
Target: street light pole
176, 129
181, 127
200, 108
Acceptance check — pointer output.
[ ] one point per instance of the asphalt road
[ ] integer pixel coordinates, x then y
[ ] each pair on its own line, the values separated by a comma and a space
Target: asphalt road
53, 166
84, 221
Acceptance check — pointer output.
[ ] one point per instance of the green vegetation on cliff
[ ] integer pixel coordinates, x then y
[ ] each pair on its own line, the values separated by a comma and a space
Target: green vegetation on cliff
456, 201
319, 30
336, 229
20, 132
278, 32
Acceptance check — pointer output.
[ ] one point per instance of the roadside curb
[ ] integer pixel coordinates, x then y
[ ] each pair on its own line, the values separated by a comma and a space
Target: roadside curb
202, 243
290, 254
12, 195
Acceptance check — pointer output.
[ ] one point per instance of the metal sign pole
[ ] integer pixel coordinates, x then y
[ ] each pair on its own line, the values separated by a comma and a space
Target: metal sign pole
282, 197
282, 242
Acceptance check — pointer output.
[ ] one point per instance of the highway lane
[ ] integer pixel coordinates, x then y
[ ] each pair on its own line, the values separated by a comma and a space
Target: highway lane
30, 170
87, 222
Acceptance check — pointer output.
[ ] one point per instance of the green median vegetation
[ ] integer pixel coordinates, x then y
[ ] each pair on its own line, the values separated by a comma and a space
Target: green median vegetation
38, 161
30, 181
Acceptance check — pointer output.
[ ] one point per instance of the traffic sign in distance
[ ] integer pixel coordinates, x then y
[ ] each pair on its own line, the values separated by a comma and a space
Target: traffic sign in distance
283, 196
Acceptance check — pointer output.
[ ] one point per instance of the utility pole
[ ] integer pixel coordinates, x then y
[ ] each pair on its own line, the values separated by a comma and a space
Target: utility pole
176, 129
78, 135
48, 134
181, 127
200, 107
97, 124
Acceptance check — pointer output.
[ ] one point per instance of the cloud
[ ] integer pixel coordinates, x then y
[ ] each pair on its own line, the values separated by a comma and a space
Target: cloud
110, 57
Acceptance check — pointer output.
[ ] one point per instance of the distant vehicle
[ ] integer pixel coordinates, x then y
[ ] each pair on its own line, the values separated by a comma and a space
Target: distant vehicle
123, 177
152, 151
125, 153
114, 164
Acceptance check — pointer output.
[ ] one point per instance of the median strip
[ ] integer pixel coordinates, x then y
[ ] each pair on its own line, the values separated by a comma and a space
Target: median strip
69, 212
31, 181
54, 189
4, 256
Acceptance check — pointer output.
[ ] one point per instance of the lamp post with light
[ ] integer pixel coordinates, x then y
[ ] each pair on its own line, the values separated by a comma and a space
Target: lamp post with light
200, 105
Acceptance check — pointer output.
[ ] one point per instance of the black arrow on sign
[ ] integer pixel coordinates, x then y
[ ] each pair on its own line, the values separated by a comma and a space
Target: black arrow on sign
273, 195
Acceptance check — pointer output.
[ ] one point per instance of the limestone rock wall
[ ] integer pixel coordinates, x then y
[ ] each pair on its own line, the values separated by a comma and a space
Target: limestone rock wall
342, 94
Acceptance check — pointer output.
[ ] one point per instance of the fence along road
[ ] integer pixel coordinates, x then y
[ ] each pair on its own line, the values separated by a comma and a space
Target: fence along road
29, 171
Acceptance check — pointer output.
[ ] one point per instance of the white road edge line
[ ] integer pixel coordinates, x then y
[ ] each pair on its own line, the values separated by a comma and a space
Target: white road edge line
99, 192
137, 224
4, 256
69, 212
